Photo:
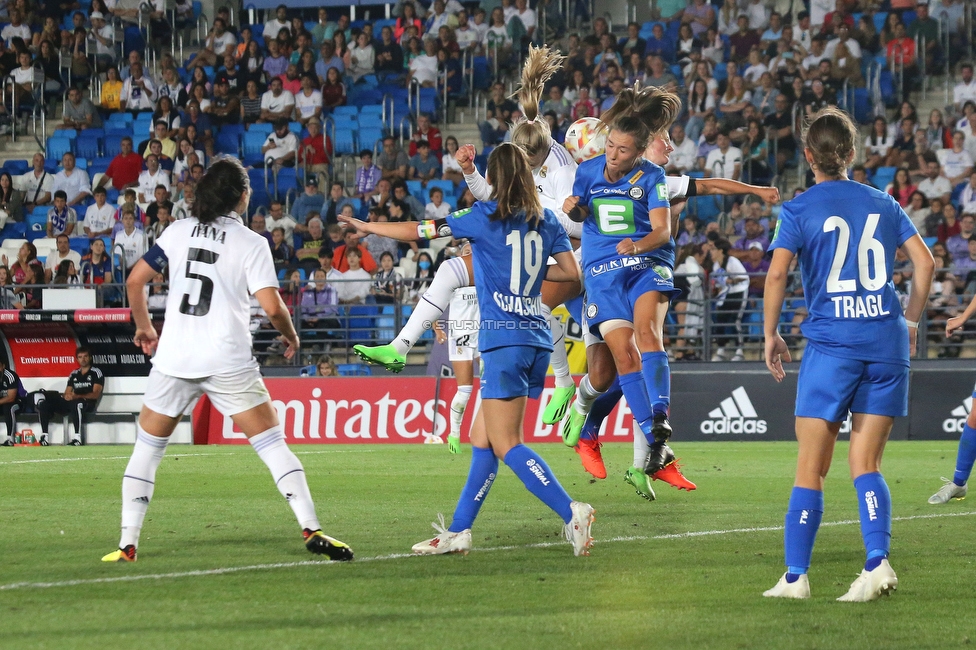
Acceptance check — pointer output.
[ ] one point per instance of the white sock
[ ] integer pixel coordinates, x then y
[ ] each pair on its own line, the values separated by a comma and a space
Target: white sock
585, 396
453, 274
641, 448
458, 404
138, 484
559, 359
288, 474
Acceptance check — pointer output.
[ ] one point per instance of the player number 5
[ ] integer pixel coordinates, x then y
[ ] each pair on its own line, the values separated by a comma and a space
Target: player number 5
868, 245
200, 256
527, 254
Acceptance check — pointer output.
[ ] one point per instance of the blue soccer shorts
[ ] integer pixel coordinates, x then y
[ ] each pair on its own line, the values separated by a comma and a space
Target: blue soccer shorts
829, 387
613, 288
514, 371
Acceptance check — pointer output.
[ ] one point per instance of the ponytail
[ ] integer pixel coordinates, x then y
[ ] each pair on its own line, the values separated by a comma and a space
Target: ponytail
642, 113
532, 132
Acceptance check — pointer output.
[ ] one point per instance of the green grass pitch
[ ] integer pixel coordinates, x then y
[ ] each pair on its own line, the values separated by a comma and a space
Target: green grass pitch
648, 583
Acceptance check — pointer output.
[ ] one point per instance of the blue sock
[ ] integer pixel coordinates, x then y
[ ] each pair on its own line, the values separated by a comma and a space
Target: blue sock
601, 408
965, 456
657, 377
484, 469
635, 391
874, 502
803, 517
539, 480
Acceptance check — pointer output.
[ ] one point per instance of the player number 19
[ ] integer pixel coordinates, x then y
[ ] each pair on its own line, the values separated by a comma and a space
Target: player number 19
868, 245
527, 254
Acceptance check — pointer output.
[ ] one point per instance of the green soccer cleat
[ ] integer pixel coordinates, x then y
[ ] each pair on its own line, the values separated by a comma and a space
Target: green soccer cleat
573, 427
454, 444
382, 355
558, 403
638, 479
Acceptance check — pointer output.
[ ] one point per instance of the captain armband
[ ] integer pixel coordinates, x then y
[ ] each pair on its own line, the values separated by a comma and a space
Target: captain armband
433, 228
156, 258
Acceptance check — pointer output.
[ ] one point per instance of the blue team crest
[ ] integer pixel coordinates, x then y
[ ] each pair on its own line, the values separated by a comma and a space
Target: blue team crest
636, 192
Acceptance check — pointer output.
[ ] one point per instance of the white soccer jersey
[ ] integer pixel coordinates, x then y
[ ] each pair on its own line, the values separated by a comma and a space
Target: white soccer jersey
554, 182
465, 313
214, 270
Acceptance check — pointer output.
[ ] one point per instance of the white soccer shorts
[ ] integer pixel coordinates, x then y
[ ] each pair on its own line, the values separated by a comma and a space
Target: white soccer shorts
463, 347
230, 394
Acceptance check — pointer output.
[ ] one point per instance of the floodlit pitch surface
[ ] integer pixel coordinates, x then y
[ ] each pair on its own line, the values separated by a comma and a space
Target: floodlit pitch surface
221, 559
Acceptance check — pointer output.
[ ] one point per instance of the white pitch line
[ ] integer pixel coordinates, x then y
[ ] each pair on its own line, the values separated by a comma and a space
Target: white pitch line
399, 556
72, 460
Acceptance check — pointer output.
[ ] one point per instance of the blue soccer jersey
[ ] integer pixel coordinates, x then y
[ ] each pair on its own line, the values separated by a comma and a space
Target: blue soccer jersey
846, 235
620, 210
510, 260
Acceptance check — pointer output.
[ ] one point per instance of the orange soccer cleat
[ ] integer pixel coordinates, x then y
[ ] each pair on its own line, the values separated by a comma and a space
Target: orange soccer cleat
591, 457
671, 474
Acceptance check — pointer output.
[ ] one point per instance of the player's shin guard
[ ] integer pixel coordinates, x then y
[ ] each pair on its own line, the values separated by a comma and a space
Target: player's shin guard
803, 517
559, 360
458, 404
481, 475
288, 474
657, 377
138, 483
641, 447
539, 479
965, 456
601, 408
874, 502
633, 387
453, 274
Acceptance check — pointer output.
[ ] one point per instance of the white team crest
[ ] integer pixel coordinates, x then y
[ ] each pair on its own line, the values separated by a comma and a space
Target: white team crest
636, 193
591, 310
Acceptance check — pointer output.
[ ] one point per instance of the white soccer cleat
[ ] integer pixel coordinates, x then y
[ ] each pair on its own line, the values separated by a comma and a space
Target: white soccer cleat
783, 589
577, 530
445, 542
948, 491
871, 585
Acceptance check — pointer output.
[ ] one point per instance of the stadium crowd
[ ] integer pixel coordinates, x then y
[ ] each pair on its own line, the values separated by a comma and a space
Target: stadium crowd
135, 138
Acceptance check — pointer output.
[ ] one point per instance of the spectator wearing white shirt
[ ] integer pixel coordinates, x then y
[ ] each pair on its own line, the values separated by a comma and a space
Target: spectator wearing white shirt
15, 29
130, 239
281, 146
62, 253
61, 220
278, 218
843, 36
758, 15
276, 24
424, 67
817, 54
956, 162
138, 91
725, 161
527, 15
100, 216
935, 185
35, 184
437, 208
277, 103
967, 200
150, 179
72, 181
104, 36
965, 90
219, 44
356, 281
685, 152
362, 58
466, 34
308, 103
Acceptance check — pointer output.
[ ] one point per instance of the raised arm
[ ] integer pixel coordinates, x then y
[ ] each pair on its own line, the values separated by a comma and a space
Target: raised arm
725, 186
405, 231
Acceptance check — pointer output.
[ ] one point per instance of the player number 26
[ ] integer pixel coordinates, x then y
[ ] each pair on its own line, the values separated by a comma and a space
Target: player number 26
867, 246
526, 252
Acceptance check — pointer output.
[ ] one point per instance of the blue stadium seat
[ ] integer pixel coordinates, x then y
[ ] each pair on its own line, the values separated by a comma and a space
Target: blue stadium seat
37, 222
345, 142
71, 134
251, 148
371, 110
883, 176
112, 196
285, 179
351, 111
446, 186
120, 130
263, 127
369, 137
353, 370
87, 147
879, 20
113, 145
120, 118
227, 143
416, 189
57, 147
17, 167
79, 244
15, 230
92, 133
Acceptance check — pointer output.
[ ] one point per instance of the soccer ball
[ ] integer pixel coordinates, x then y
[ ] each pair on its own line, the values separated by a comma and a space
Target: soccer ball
585, 139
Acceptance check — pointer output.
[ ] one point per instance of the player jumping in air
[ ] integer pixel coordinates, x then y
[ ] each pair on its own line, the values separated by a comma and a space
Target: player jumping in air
512, 238
587, 414
859, 344
216, 263
553, 171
